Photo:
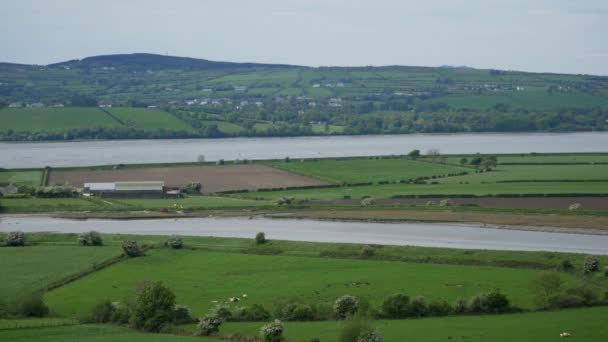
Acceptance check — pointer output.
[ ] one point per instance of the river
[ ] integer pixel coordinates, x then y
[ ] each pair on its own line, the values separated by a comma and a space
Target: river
412, 234
84, 153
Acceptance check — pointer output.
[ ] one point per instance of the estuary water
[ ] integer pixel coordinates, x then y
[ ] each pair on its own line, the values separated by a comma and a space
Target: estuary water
84, 153
411, 234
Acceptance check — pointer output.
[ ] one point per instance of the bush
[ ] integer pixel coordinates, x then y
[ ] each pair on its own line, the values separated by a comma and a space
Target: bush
587, 294
31, 305
445, 203
564, 301
254, 312
396, 306
606, 272
592, 264
15, 239
566, 266
102, 312
546, 285
418, 307
272, 332
356, 329
209, 325
192, 188
575, 206
121, 313
370, 336
492, 302
440, 308
183, 315
260, 238
221, 311
91, 238
174, 242
131, 248
345, 306
152, 308
461, 306
367, 251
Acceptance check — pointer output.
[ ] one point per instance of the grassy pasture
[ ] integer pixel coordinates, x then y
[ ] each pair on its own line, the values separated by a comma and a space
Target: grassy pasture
367, 170
32, 178
32, 268
148, 119
92, 333
199, 277
226, 127
390, 190
54, 119
535, 172
584, 325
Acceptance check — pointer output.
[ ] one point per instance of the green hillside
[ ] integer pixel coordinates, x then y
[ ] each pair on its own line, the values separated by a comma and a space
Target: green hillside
293, 100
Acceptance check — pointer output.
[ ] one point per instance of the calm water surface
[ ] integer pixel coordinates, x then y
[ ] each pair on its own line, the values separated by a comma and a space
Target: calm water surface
412, 234
40, 154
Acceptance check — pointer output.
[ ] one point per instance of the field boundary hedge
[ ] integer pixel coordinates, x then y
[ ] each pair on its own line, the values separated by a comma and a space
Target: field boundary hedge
502, 195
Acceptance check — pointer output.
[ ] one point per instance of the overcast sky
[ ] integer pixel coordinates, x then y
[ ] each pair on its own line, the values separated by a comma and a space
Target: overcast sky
531, 35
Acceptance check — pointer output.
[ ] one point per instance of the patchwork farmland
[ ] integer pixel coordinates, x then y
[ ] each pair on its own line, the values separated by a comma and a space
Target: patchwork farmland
213, 178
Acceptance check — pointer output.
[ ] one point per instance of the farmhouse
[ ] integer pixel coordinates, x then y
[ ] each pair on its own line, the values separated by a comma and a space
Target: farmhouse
148, 189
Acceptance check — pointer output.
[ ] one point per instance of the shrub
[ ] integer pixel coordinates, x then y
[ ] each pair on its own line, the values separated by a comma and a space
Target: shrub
192, 188
396, 306
440, 308
460, 306
284, 200
131, 248
183, 315
345, 306
356, 329
418, 307
606, 272
260, 238
566, 266
102, 312
367, 251
303, 312
174, 242
272, 332
563, 301
15, 239
221, 311
254, 312
370, 336
546, 285
491, 302
592, 264
368, 201
209, 325
31, 305
153, 307
91, 238
587, 294
121, 313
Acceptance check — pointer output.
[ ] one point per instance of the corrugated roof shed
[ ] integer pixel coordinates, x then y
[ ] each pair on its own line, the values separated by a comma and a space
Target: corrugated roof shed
140, 186
100, 186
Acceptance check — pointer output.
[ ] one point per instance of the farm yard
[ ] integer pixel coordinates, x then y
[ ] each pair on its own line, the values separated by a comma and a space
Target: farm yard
213, 178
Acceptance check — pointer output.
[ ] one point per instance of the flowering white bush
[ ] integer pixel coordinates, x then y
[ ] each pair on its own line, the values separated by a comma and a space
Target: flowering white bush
345, 306
209, 325
272, 332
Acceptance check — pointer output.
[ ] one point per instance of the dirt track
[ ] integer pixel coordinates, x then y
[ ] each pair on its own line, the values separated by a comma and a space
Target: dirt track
213, 178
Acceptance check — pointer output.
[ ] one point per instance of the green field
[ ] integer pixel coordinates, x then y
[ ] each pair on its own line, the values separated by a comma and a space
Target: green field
54, 119
584, 324
367, 170
93, 333
81, 204
32, 268
392, 190
199, 278
32, 178
148, 119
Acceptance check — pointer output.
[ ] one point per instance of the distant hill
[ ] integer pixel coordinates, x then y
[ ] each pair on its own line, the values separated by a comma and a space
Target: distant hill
173, 97
144, 61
